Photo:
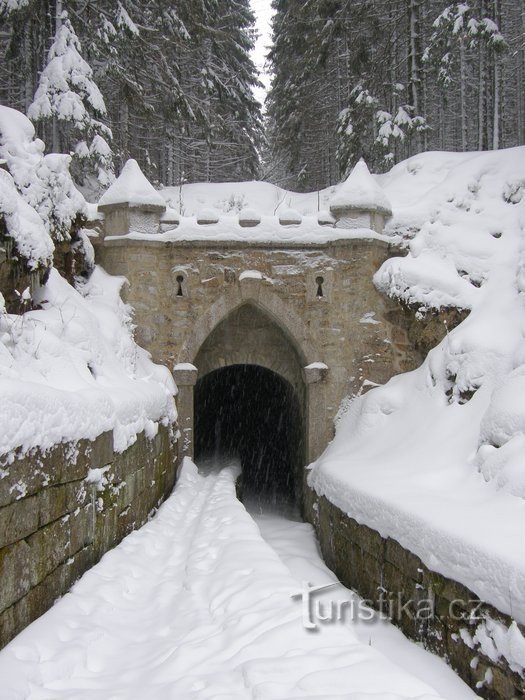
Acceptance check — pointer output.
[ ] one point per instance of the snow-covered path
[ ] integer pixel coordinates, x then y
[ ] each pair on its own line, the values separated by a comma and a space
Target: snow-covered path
197, 604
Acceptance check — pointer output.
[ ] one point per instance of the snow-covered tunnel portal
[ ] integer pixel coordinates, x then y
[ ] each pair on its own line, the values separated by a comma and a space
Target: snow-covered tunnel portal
251, 413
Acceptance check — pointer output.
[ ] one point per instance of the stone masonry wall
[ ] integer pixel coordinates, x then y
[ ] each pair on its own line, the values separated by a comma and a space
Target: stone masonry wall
55, 524
441, 614
181, 291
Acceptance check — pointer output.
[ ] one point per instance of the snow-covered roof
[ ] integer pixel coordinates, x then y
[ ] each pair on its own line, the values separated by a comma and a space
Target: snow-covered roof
132, 188
361, 191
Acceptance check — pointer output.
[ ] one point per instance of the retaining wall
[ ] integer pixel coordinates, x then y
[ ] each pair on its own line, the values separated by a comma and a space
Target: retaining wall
55, 523
440, 613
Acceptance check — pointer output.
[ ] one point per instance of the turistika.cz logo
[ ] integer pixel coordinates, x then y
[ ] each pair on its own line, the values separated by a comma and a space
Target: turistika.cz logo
389, 606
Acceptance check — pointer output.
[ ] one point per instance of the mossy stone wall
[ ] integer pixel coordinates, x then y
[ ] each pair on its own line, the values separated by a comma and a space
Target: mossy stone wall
55, 524
393, 579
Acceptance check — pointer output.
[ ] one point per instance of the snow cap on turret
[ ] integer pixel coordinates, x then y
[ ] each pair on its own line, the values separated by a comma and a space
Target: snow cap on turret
132, 189
360, 192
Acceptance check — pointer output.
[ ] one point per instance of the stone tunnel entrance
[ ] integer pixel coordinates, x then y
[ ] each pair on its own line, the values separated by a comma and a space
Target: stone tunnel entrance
252, 414
250, 402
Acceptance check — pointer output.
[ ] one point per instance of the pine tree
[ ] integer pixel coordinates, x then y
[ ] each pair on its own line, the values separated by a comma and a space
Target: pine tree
68, 99
176, 80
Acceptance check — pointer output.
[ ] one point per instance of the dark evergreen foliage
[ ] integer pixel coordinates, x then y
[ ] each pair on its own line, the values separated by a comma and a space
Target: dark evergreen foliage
176, 78
385, 79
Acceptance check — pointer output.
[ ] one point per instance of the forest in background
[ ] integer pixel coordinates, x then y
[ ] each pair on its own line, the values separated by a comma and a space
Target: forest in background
171, 84
385, 79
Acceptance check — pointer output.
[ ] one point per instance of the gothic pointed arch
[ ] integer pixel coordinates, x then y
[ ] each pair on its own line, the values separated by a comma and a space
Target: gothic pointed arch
260, 296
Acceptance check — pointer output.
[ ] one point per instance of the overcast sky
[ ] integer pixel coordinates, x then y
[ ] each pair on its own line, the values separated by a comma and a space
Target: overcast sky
263, 13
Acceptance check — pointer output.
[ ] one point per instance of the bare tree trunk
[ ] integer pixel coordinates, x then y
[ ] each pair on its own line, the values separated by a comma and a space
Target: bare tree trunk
481, 97
463, 97
497, 99
414, 57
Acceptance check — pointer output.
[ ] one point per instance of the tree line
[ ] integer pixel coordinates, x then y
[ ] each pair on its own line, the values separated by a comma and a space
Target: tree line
385, 79
170, 84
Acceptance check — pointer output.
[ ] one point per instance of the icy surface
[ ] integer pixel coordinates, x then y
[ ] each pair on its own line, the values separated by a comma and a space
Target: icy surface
132, 187
434, 458
361, 191
72, 370
197, 605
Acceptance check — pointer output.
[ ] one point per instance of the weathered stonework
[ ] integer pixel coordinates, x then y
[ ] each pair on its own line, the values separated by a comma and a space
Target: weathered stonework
15, 276
393, 580
55, 524
309, 303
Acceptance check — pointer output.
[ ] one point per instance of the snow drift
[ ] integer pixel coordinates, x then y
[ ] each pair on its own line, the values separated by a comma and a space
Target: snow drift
434, 458
70, 369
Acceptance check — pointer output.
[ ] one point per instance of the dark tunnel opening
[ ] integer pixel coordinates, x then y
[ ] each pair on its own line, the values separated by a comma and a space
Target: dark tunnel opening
250, 413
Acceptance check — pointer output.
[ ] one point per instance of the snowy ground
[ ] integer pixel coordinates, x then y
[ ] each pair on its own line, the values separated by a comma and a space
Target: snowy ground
72, 370
434, 458
197, 604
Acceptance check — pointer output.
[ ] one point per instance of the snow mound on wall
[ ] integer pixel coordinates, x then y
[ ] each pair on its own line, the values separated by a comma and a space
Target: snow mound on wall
435, 457
231, 198
72, 370
361, 191
132, 187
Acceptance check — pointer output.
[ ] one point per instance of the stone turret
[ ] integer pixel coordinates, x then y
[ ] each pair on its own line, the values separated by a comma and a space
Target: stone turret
360, 202
131, 203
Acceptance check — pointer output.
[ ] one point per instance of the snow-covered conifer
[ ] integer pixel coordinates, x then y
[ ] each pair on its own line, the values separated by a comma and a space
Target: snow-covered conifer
68, 98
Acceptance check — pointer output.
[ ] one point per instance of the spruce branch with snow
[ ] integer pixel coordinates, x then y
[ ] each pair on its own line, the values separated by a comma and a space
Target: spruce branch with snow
69, 100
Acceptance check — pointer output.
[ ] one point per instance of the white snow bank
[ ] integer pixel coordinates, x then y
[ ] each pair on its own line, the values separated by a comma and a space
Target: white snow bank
361, 191
269, 230
230, 198
434, 458
72, 370
289, 216
194, 605
133, 188
297, 547
24, 225
248, 214
44, 182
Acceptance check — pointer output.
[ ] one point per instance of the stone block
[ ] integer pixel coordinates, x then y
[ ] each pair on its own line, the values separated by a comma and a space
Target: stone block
81, 529
101, 453
26, 475
40, 598
505, 686
49, 547
371, 542
403, 560
16, 573
18, 520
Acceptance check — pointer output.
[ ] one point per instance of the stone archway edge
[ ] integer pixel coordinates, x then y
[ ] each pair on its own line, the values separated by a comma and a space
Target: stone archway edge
185, 374
259, 293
